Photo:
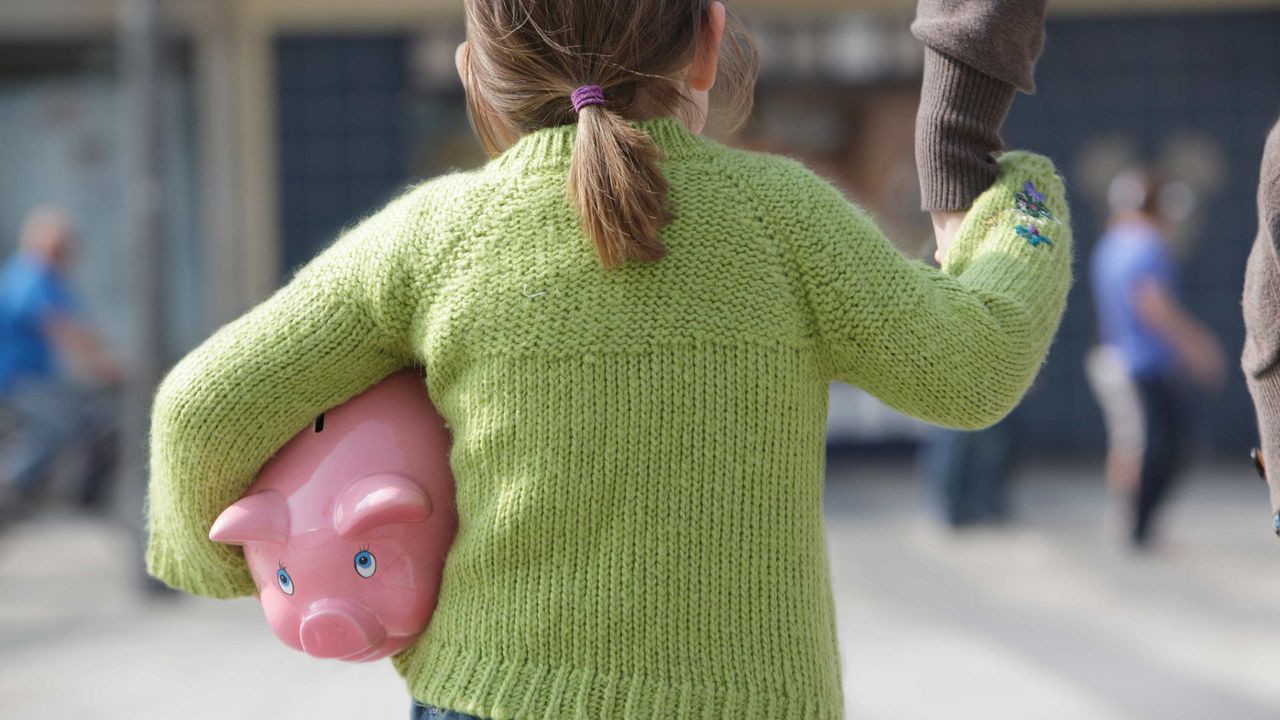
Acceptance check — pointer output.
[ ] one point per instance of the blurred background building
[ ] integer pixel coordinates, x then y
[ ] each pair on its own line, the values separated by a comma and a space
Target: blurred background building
285, 120
280, 122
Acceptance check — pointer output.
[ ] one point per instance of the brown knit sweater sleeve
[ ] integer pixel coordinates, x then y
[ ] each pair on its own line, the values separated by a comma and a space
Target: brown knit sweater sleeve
978, 53
1261, 358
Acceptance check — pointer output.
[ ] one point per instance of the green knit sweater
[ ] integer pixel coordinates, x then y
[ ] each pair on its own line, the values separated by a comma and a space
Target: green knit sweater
639, 453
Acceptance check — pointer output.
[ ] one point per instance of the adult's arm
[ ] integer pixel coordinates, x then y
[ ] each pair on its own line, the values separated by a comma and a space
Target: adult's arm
1261, 358
978, 54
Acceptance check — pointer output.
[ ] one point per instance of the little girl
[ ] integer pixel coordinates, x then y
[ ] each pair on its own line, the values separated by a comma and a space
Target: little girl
630, 331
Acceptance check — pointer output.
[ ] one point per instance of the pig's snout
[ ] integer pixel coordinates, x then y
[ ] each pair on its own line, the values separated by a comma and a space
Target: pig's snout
337, 629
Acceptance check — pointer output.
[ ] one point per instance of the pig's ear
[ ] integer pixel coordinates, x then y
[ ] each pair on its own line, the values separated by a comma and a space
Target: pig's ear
382, 499
261, 517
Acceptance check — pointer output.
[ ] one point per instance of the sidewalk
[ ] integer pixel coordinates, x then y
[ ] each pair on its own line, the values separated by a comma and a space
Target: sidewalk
1050, 618
1054, 618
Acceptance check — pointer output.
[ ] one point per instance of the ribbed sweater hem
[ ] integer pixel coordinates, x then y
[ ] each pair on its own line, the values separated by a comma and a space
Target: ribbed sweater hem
467, 680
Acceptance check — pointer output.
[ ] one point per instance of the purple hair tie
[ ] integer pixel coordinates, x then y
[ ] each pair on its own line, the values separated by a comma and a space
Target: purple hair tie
587, 95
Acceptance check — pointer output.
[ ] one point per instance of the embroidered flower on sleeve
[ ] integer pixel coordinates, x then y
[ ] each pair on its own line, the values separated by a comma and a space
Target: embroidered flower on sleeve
1031, 202
1033, 236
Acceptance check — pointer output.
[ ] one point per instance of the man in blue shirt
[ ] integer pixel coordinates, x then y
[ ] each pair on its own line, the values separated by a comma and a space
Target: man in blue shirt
41, 330
1148, 337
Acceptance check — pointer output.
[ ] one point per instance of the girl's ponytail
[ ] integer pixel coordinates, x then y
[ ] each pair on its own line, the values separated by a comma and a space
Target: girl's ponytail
522, 56
616, 185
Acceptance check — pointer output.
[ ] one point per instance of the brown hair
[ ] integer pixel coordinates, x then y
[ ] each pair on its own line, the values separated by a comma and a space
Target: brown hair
1138, 189
526, 57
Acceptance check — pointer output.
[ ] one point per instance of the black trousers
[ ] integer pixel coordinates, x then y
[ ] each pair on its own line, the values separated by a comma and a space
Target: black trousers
1162, 457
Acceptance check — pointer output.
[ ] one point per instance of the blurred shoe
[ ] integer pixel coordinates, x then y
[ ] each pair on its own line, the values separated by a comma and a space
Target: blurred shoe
1146, 543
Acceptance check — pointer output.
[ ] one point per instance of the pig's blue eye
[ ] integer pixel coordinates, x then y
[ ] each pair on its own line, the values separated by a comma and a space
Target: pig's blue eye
284, 581
366, 565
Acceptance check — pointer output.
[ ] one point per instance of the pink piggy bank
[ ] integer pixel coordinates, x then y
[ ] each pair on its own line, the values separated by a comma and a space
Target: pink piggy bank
347, 528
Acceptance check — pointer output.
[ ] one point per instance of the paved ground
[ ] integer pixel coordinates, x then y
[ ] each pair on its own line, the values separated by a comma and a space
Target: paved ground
1049, 618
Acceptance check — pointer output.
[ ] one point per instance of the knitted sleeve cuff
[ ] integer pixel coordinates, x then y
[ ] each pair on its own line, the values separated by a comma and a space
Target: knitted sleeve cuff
958, 132
1017, 239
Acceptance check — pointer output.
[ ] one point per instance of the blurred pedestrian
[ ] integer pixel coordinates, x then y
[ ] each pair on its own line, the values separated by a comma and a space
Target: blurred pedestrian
1262, 317
56, 375
1144, 327
969, 472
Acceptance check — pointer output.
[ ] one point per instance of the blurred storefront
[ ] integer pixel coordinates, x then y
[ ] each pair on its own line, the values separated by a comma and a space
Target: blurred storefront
287, 120
63, 139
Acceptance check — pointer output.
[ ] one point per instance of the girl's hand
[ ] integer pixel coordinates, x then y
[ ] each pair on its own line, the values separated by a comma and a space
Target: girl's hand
946, 224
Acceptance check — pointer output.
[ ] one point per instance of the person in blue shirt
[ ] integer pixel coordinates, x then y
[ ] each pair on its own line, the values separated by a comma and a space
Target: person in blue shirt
47, 351
1147, 338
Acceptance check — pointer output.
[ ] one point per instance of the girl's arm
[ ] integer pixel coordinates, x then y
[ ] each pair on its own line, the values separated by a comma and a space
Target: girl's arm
339, 326
978, 53
957, 346
1262, 314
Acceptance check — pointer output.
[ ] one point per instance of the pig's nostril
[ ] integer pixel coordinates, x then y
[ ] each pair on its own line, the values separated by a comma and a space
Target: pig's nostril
330, 634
